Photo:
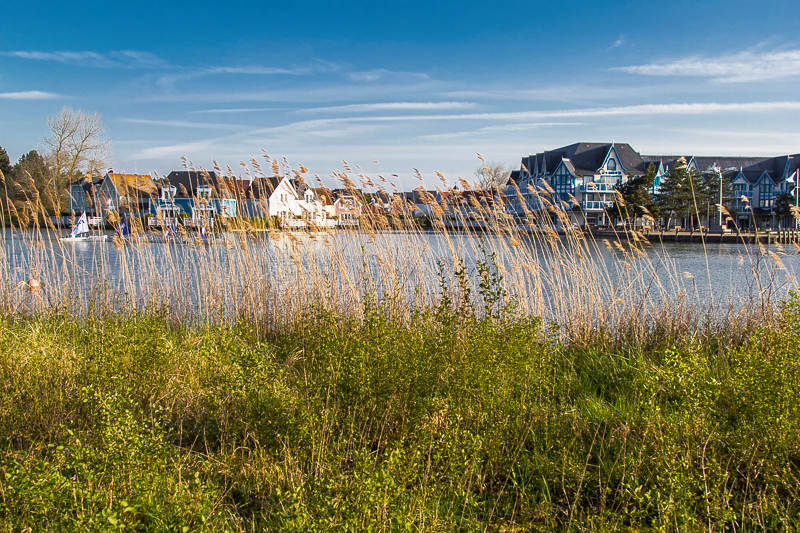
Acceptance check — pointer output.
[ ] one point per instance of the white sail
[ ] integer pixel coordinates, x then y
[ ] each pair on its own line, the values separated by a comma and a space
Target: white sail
81, 226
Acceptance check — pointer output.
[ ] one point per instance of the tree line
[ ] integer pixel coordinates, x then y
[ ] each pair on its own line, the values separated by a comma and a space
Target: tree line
37, 185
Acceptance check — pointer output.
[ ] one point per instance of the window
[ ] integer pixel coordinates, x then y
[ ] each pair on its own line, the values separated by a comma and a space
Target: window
612, 164
168, 193
564, 185
766, 196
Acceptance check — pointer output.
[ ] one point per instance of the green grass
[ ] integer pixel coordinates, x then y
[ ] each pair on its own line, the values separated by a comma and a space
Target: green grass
452, 423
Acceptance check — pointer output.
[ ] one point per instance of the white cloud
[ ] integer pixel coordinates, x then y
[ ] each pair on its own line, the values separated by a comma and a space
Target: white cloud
114, 59
184, 124
619, 42
29, 95
381, 73
239, 110
255, 70
633, 110
742, 67
387, 106
498, 130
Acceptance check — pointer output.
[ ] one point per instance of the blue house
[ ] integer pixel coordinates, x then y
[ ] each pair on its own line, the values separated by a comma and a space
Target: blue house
578, 181
192, 198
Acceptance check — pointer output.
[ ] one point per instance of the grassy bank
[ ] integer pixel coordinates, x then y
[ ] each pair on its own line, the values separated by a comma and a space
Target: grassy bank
449, 422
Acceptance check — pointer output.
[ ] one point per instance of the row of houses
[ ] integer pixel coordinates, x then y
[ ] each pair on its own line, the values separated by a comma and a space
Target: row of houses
582, 177
197, 198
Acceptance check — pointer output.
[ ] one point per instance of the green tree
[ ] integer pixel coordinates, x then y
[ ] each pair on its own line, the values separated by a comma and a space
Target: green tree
32, 173
707, 192
5, 163
784, 202
675, 198
637, 202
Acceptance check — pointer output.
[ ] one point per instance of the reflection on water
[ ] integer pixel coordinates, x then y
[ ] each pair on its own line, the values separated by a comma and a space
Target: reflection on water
415, 262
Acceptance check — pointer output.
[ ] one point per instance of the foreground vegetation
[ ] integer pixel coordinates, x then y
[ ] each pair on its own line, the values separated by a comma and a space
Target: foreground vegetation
458, 420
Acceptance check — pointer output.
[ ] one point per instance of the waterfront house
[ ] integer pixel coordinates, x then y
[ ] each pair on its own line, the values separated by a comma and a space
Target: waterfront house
130, 193
194, 198
579, 181
290, 201
83, 195
756, 182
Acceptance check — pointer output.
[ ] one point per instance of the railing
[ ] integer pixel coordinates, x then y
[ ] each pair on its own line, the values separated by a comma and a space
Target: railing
165, 221
303, 223
198, 222
588, 206
598, 187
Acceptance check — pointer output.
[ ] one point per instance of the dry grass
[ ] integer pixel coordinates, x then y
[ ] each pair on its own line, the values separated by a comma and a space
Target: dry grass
273, 278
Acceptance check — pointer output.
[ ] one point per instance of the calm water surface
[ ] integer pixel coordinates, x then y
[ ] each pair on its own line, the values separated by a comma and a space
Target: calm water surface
721, 270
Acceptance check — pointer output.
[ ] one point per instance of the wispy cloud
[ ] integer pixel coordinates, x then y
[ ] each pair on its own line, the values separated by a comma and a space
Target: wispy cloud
632, 110
741, 67
240, 110
619, 42
184, 124
380, 74
29, 95
114, 59
253, 70
394, 106
499, 129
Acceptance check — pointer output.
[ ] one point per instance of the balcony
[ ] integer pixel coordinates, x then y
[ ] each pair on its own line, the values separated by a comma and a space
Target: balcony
596, 206
165, 221
598, 187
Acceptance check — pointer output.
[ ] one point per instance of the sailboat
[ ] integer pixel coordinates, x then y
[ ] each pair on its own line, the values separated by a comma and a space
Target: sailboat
80, 232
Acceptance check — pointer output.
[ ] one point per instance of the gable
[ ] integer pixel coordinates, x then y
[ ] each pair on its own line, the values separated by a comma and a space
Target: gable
740, 180
612, 164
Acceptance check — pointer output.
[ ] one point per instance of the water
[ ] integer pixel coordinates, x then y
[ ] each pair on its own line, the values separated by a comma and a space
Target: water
196, 275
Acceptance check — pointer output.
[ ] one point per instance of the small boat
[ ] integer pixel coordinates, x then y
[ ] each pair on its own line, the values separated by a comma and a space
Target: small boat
81, 233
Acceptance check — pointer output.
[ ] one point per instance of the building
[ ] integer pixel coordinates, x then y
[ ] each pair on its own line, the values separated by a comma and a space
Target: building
193, 198
579, 181
130, 193
291, 201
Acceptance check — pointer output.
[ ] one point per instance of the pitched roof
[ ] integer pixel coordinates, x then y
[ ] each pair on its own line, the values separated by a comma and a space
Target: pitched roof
706, 163
238, 186
591, 156
187, 182
140, 185
325, 195
262, 188
584, 158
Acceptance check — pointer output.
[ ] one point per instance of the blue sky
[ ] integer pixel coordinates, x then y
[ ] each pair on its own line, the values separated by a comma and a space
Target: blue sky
409, 84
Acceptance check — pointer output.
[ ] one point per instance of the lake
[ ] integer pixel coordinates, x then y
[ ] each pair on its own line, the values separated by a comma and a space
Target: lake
548, 276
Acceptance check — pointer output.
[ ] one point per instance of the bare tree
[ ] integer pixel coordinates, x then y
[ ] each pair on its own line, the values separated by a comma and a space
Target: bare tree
492, 175
77, 144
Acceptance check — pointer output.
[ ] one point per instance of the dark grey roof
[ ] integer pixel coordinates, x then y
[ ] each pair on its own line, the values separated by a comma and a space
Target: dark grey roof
706, 163
262, 188
587, 158
87, 184
191, 179
754, 175
590, 156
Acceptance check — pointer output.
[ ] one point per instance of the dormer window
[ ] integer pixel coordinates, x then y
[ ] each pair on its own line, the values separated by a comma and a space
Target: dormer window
168, 192
612, 164
204, 192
